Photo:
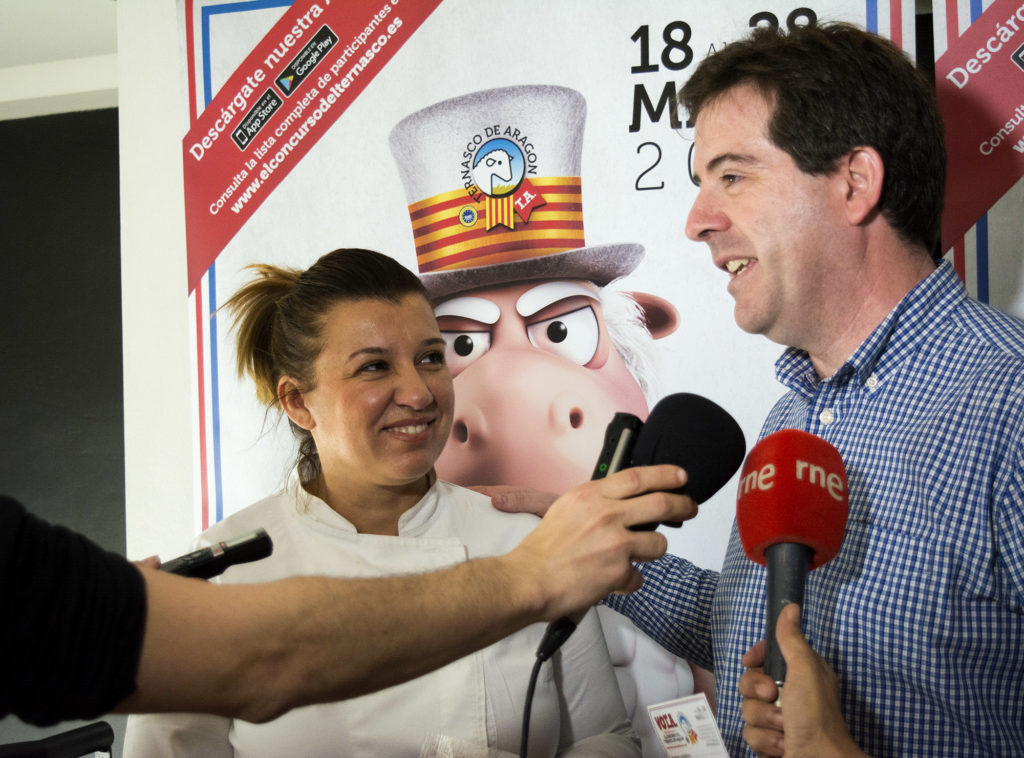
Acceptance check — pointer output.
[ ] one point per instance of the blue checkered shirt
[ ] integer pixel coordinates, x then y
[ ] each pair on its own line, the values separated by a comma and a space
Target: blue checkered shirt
922, 612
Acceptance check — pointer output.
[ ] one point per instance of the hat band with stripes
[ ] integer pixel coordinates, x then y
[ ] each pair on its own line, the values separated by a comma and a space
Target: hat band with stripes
544, 216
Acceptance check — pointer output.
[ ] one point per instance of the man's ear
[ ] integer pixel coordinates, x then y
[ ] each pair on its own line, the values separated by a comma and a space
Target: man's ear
863, 173
290, 397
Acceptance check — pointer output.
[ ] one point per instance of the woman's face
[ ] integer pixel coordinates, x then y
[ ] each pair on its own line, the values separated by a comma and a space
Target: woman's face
381, 407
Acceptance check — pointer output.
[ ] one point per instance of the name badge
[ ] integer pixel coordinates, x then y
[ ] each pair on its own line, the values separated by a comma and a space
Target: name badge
687, 727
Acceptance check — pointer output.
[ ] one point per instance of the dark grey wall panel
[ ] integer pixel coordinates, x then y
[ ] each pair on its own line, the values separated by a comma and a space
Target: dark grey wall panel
61, 400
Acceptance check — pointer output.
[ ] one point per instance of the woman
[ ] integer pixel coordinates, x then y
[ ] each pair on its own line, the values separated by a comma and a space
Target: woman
351, 352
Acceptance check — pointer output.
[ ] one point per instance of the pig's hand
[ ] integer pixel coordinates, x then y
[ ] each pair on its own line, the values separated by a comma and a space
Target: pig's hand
513, 499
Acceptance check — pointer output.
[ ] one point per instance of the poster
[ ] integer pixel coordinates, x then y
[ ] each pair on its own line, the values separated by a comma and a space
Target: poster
289, 151
341, 186
979, 76
345, 188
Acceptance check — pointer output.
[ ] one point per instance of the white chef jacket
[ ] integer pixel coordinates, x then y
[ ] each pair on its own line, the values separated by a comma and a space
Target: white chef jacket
577, 708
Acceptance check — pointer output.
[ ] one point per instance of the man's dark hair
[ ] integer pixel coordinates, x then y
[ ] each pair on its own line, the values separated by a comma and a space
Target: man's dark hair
835, 87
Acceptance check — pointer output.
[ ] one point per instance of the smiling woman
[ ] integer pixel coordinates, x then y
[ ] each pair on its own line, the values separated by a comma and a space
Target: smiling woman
283, 321
379, 411
351, 352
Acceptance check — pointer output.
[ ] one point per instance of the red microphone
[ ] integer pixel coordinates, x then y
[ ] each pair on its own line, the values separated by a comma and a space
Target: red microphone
791, 514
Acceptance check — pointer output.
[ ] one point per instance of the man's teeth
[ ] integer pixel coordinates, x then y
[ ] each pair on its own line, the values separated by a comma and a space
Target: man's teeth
737, 265
415, 429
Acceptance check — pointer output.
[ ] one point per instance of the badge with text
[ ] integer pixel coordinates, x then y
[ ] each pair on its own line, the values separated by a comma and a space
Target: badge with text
687, 727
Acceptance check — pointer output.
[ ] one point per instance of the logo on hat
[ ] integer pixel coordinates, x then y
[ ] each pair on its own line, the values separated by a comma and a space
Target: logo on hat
494, 192
494, 175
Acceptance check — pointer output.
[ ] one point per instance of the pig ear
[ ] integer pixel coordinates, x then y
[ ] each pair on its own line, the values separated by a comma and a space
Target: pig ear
660, 316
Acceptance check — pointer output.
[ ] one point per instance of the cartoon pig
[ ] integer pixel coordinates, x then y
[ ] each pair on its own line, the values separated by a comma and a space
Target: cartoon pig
538, 377
543, 352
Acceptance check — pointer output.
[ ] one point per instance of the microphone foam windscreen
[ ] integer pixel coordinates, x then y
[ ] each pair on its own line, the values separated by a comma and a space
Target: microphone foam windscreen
792, 489
693, 432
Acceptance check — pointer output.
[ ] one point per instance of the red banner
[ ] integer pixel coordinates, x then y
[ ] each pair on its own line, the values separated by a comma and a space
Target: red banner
980, 82
283, 98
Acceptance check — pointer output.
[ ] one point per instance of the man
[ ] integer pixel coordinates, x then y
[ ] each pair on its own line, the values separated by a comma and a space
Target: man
821, 168
85, 632
820, 160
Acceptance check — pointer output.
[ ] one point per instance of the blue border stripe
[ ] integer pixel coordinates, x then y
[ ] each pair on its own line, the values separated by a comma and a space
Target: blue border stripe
218, 481
871, 16
981, 227
211, 273
981, 263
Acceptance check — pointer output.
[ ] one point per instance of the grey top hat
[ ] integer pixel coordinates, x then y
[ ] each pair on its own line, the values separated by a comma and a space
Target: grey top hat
493, 183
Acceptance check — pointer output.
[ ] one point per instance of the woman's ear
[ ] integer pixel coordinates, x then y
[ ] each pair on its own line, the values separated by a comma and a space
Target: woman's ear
863, 172
294, 404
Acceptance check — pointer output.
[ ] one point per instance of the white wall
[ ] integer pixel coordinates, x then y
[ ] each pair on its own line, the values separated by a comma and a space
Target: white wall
158, 427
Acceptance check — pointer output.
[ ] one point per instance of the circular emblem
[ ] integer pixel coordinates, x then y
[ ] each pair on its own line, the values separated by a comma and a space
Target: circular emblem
467, 215
498, 167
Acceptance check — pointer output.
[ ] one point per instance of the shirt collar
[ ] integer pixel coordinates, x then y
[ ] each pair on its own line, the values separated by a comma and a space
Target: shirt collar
901, 332
412, 523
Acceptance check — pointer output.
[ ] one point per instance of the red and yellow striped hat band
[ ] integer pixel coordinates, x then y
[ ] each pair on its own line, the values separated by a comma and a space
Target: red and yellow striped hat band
453, 230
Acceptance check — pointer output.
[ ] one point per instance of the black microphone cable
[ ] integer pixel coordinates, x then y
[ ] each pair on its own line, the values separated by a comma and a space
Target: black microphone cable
557, 633
616, 453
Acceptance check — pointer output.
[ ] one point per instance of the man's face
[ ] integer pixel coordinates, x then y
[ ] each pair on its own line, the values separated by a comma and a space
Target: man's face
537, 380
779, 233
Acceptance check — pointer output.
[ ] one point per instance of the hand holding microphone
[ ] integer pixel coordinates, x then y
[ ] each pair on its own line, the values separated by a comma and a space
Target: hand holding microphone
683, 429
791, 513
804, 718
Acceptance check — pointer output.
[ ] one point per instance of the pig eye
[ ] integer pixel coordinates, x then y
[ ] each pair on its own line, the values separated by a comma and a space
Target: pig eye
462, 348
573, 335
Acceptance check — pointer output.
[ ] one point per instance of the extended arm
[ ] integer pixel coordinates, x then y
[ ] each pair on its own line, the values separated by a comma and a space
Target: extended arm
255, 651
673, 608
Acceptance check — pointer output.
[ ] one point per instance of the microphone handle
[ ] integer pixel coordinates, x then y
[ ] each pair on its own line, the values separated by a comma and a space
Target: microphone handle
557, 633
616, 453
787, 564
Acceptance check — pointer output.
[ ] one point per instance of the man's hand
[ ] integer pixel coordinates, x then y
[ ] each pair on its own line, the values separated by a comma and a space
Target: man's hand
582, 550
809, 721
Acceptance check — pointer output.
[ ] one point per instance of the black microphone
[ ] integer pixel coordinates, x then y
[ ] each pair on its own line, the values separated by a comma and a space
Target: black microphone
616, 453
697, 434
208, 562
684, 429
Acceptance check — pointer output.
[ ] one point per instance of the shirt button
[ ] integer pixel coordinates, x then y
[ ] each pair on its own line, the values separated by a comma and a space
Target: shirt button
827, 416
872, 382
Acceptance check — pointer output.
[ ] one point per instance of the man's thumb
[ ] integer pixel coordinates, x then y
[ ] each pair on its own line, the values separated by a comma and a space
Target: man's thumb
788, 632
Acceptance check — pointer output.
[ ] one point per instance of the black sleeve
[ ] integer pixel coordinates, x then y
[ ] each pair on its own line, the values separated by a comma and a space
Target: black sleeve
72, 618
